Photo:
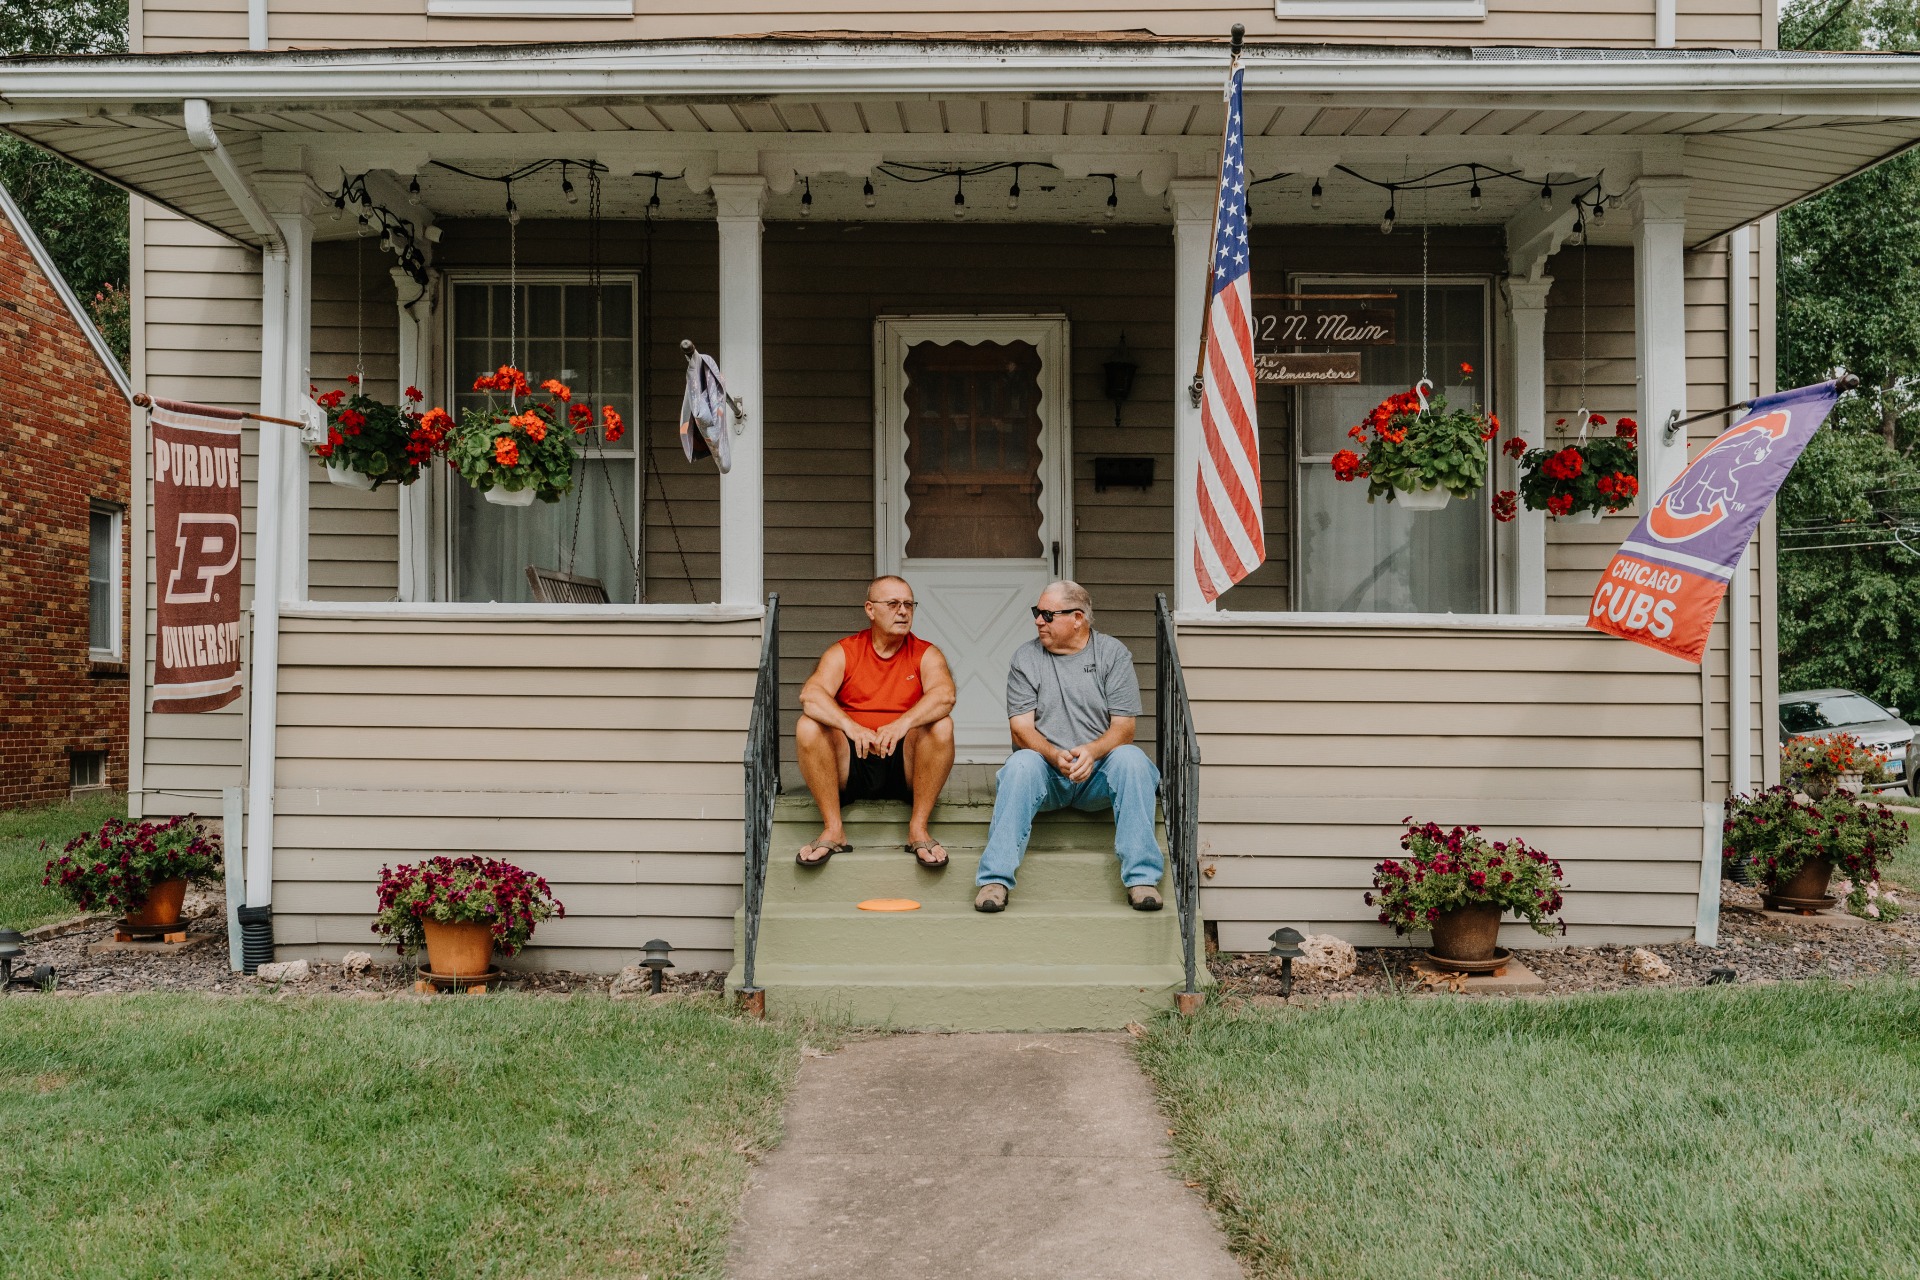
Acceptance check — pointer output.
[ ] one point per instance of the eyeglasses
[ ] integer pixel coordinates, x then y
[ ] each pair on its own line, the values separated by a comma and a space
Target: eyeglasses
1048, 615
898, 606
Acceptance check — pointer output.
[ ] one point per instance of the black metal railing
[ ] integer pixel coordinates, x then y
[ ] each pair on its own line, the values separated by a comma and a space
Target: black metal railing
1179, 752
762, 760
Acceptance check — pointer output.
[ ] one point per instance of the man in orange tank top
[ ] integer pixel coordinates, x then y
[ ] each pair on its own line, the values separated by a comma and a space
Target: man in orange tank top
876, 724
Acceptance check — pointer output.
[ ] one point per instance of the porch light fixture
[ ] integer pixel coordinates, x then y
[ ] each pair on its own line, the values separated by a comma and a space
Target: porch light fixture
1546, 197
656, 962
1286, 945
1315, 198
866, 192
1013, 192
806, 198
1120, 369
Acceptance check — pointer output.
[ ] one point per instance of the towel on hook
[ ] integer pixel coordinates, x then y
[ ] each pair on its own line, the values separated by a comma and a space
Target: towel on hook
703, 414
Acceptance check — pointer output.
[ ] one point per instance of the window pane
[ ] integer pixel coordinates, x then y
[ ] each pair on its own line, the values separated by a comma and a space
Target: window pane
1357, 556
100, 583
497, 544
973, 451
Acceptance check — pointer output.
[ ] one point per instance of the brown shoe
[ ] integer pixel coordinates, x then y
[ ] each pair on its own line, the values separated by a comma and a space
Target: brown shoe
992, 897
1144, 897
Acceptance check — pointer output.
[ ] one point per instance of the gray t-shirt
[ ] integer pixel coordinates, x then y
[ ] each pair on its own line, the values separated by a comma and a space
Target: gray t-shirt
1073, 695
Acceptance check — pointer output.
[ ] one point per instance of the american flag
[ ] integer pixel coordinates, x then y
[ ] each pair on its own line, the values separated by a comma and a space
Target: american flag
1229, 540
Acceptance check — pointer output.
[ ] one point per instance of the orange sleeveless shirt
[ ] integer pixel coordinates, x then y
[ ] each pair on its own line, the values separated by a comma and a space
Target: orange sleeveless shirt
877, 690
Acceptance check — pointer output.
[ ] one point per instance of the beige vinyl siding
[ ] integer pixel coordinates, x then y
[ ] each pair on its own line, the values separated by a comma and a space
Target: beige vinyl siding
604, 756
1317, 741
353, 538
200, 301
311, 23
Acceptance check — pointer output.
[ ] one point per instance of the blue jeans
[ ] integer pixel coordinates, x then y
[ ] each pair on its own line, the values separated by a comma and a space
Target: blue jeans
1125, 781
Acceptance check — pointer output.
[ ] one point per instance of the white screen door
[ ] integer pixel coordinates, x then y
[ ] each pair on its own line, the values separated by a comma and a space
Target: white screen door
973, 501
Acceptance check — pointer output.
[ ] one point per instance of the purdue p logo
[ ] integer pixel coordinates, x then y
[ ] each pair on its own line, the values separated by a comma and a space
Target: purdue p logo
208, 547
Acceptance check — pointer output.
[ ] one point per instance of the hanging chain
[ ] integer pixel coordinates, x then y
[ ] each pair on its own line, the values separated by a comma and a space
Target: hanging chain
359, 297
513, 289
1423, 302
649, 460
1585, 412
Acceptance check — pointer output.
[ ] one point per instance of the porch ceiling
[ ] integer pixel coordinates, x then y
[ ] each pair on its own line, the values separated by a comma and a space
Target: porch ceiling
1755, 130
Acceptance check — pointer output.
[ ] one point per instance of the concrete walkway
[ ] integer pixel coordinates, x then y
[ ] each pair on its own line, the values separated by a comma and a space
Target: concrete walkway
1037, 1157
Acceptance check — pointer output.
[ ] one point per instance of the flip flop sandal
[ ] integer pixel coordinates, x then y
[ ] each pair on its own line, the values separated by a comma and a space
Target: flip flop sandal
823, 848
921, 846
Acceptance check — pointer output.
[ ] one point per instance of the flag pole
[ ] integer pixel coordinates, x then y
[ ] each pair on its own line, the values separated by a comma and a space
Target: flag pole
1206, 301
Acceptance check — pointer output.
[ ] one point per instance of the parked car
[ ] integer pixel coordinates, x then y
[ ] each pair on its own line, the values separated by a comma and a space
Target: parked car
1816, 712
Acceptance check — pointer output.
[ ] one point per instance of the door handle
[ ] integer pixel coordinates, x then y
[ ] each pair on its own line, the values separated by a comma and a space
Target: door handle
1056, 558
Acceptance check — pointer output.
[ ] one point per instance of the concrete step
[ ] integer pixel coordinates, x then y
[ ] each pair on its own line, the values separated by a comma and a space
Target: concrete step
1047, 875
972, 997
954, 933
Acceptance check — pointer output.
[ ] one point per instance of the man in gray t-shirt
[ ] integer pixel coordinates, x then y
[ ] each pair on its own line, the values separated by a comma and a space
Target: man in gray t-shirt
1072, 700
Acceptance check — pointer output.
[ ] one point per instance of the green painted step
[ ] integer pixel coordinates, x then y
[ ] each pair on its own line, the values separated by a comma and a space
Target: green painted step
1068, 953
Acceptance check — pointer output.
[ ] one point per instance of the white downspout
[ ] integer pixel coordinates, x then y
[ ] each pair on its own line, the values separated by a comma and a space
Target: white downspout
256, 24
1740, 616
1663, 22
200, 132
268, 512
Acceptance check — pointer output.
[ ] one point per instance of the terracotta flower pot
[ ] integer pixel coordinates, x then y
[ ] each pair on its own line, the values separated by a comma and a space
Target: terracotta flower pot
1806, 889
1467, 933
162, 906
463, 950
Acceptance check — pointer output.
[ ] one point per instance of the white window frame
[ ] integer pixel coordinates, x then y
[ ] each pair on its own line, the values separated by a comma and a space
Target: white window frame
1488, 378
530, 8
1383, 10
444, 478
116, 574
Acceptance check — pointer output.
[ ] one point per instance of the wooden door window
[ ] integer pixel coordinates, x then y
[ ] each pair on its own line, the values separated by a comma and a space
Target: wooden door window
973, 451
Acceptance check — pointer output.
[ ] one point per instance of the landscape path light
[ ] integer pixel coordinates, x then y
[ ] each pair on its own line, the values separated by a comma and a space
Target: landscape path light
1286, 945
656, 962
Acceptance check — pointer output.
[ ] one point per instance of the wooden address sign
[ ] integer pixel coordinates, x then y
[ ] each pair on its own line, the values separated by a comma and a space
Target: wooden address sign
1308, 368
1335, 327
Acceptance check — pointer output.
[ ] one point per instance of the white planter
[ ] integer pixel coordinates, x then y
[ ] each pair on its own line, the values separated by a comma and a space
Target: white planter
1581, 517
509, 497
1434, 499
348, 478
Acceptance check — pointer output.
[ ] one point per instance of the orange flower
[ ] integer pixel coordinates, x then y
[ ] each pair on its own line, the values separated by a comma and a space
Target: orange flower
557, 389
530, 422
505, 451
615, 427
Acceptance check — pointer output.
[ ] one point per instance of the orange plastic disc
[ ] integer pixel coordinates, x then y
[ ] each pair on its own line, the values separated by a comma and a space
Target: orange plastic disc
889, 904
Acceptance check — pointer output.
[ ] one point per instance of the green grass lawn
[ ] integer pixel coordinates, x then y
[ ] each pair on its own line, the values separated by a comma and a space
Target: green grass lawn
23, 902
1726, 1133
510, 1136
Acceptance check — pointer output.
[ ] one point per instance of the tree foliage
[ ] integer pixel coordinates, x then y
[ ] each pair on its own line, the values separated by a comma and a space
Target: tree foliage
80, 218
1849, 295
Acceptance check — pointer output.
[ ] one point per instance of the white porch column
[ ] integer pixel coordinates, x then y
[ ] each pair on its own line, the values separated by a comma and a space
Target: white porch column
415, 302
743, 489
1527, 315
1193, 209
1659, 209
280, 502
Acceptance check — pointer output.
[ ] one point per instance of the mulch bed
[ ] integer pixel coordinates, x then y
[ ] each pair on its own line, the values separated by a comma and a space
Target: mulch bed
1755, 947
206, 967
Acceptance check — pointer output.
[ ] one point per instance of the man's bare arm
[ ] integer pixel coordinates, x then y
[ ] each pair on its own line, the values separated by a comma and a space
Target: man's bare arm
1026, 735
1083, 758
936, 700
818, 700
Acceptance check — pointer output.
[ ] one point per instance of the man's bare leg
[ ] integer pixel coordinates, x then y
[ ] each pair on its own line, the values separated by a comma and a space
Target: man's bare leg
929, 764
825, 756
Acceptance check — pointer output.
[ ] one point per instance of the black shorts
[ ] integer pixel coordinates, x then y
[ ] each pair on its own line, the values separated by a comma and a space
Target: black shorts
874, 777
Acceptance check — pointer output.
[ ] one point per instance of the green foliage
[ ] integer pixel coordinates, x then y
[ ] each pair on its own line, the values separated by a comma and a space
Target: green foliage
27, 838
1732, 1133
236, 1137
1407, 449
1849, 295
386, 443
462, 891
1777, 833
116, 866
80, 218
1447, 870
1569, 480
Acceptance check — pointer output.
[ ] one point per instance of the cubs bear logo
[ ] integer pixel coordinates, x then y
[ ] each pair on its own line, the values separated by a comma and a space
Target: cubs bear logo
1708, 492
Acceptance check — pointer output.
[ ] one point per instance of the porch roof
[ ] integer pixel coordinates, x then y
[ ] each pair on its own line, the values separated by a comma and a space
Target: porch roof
1755, 129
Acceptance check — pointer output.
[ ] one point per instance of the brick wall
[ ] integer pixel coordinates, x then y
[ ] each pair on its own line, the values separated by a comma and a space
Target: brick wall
63, 446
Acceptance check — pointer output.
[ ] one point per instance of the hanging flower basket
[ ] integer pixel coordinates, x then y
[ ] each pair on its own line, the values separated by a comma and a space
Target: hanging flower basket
1419, 457
525, 448
1583, 481
369, 443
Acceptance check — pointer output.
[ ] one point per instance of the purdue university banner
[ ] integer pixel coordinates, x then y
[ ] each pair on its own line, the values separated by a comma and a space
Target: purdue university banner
196, 541
1665, 583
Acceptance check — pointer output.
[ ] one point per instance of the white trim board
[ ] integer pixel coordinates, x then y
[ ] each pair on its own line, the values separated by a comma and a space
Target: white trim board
1382, 10
454, 611
1560, 622
530, 8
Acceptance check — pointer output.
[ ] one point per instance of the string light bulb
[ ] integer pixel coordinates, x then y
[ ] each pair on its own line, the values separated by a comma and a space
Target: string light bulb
566, 187
1473, 193
959, 195
413, 190
1113, 197
866, 192
339, 207
1546, 197
1314, 199
653, 201
1386, 219
1579, 231
1599, 215
1013, 192
806, 198
513, 212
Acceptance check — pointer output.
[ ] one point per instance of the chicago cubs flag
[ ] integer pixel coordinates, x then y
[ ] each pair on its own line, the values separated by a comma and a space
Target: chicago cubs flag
1664, 585
1229, 539
196, 545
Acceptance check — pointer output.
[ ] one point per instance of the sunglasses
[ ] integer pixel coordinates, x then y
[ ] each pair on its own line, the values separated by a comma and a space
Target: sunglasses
1048, 615
898, 606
